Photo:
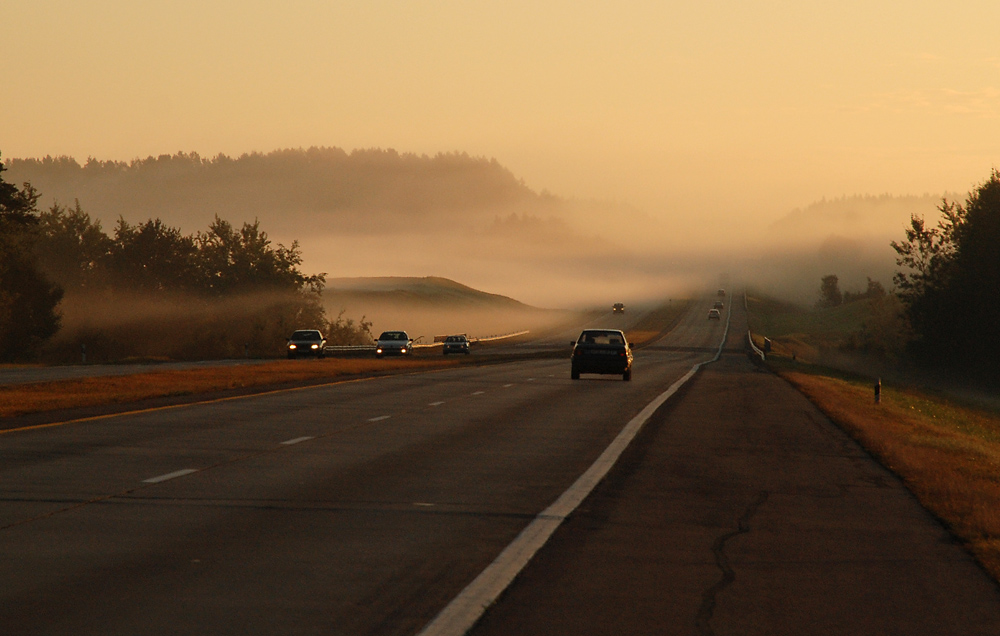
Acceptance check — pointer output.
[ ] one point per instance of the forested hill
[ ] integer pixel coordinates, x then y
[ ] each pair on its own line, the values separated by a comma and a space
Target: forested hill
326, 187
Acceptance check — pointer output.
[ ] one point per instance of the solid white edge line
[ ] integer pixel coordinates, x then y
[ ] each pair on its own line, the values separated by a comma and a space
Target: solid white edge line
176, 473
464, 610
289, 442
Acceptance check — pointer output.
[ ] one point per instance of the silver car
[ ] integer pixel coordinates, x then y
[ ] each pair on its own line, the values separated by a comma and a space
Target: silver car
393, 343
306, 343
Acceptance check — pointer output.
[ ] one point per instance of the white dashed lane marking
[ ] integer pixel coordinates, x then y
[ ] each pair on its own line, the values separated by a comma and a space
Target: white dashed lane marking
478, 392
379, 418
296, 440
507, 386
176, 473
435, 404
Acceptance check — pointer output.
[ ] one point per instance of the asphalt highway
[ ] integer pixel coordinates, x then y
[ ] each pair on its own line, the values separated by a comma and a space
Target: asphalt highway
361, 507
366, 507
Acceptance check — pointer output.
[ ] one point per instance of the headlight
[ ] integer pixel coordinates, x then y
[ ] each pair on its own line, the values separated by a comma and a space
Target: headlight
379, 350
291, 346
315, 346
403, 350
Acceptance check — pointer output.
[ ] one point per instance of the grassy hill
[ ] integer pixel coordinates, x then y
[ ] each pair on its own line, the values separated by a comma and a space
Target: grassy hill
431, 306
428, 291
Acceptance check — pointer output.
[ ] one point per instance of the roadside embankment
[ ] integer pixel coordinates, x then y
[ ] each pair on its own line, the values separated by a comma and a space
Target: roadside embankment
946, 452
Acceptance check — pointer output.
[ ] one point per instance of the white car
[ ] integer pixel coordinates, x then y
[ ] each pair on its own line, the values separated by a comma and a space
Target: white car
306, 343
714, 314
393, 343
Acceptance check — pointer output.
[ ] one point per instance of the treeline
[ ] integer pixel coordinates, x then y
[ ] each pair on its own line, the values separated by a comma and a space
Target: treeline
831, 296
944, 309
73, 251
951, 283
329, 187
147, 290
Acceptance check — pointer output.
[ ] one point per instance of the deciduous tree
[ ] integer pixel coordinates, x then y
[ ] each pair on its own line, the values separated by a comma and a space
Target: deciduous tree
27, 298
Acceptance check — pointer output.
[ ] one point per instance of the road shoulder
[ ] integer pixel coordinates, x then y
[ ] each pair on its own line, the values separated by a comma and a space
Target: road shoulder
742, 509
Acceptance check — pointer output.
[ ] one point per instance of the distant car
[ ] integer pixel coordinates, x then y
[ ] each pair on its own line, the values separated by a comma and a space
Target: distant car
602, 351
714, 314
618, 308
306, 343
721, 293
393, 343
719, 305
455, 344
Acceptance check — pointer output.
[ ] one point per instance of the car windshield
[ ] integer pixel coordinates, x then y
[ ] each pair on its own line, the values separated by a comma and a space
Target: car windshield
306, 335
393, 335
602, 337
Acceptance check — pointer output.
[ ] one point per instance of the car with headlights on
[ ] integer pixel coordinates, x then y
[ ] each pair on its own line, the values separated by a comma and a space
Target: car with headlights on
306, 343
604, 351
393, 343
455, 344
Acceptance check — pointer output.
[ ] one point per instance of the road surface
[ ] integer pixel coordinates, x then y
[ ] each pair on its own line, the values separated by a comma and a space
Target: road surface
365, 507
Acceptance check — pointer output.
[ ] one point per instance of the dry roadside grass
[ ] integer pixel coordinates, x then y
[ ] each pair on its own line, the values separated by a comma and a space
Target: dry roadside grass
20, 399
947, 454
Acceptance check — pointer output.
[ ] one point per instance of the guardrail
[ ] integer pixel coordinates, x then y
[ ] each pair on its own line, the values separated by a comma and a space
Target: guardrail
753, 346
503, 337
338, 348
429, 345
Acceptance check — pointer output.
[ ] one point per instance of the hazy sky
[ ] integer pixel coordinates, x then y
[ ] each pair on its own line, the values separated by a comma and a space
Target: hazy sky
727, 108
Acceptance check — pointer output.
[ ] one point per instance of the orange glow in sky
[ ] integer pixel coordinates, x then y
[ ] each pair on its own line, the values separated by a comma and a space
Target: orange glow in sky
737, 111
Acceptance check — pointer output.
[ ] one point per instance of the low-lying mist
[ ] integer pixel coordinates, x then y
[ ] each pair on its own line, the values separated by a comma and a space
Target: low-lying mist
175, 327
381, 213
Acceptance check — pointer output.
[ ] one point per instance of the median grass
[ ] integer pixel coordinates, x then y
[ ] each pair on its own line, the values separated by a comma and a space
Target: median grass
946, 451
655, 324
21, 399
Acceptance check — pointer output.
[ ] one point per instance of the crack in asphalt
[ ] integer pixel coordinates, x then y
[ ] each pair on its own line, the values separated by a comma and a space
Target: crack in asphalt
707, 609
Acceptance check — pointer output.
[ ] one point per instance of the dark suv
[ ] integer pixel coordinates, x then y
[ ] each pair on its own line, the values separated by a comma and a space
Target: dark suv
455, 344
602, 351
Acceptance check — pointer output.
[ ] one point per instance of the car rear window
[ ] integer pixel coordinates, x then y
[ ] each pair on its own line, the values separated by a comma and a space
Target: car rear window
602, 337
